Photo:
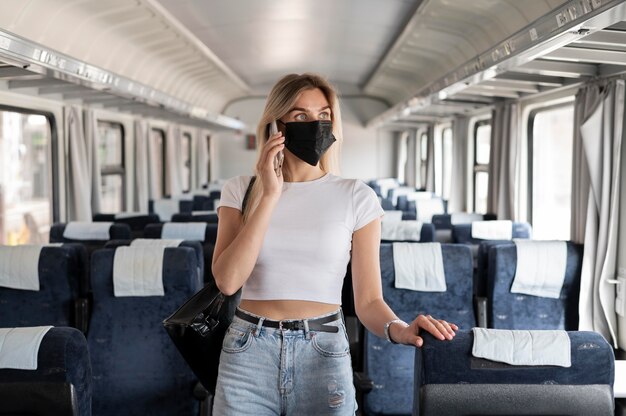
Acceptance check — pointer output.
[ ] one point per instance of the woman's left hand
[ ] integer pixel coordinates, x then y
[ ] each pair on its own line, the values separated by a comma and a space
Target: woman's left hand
409, 335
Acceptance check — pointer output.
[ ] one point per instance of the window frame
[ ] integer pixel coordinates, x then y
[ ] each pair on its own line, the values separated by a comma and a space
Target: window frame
479, 167
54, 152
529, 149
119, 170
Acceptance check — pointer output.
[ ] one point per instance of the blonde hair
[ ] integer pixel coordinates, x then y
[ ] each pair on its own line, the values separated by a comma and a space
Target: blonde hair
280, 101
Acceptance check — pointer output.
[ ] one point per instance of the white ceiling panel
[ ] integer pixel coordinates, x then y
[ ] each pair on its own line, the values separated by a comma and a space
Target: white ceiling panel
263, 40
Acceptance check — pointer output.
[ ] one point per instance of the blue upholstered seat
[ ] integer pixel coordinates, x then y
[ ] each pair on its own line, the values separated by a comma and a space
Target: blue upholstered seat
508, 310
116, 232
61, 384
137, 369
136, 223
389, 366
62, 282
427, 234
190, 217
450, 381
462, 233
208, 245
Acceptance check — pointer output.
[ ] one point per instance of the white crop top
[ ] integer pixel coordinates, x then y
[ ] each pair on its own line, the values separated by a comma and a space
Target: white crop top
307, 245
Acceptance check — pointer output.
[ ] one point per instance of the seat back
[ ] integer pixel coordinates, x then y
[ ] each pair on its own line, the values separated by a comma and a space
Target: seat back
462, 233
137, 369
390, 366
116, 232
209, 217
61, 384
508, 310
61, 274
206, 247
450, 381
136, 222
427, 234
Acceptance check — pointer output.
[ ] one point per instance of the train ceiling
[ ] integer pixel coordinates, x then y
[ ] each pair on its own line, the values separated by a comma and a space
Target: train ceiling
188, 59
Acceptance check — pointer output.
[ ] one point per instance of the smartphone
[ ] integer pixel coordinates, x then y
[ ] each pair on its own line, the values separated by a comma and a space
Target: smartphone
278, 159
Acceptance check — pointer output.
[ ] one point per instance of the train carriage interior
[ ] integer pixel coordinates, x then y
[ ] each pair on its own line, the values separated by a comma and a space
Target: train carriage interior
490, 130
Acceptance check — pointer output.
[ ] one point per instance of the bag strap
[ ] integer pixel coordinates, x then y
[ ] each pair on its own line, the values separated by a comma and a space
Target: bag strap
247, 195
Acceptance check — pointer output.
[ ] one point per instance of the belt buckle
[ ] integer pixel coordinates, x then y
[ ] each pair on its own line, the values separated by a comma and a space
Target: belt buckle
280, 325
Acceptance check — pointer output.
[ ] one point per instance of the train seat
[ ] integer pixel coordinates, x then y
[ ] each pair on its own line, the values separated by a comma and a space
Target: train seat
210, 217
206, 202
43, 285
91, 234
137, 369
450, 381
60, 384
390, 366
206, 234
508, 310
443, 223
167, 207
135, 220
407, 231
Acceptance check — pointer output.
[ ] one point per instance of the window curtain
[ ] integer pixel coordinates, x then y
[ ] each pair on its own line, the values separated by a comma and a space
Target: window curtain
411, 161
458, 186
601, 132
141, 191
430, 160
401, 151
78, 181
504, 161
173, 162
155, 166
202, 159
83, 168
92, 145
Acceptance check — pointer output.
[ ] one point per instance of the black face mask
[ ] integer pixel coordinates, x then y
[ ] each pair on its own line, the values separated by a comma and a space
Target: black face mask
309, 140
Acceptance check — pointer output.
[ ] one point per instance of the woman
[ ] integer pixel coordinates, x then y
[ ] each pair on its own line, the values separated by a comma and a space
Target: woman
286, 351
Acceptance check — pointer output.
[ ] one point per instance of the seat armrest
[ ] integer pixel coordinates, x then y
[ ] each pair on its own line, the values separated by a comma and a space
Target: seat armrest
480, 304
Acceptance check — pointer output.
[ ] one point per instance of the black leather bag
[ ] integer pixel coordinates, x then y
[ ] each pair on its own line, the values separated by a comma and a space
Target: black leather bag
199, 326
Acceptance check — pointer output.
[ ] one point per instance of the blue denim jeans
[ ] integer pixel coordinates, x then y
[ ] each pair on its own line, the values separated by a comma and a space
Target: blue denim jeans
270, 371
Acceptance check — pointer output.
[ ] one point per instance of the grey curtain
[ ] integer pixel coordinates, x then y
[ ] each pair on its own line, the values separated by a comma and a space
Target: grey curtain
95, 176
601, 132
141, 184
202, 159
430, 160
504, 161
411, 160
78, 181
173, 162
458, 186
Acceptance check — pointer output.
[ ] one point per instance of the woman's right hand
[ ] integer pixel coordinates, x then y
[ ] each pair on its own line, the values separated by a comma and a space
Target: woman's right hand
272, 184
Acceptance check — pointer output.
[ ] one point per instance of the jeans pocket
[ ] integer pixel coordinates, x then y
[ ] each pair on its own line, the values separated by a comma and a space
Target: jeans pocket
330, 344
236, 340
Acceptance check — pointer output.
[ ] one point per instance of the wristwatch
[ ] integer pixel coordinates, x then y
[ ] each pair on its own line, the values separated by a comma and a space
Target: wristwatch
388, 324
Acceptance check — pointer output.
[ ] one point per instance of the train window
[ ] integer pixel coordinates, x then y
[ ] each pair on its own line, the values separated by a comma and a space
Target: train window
157, 154
482, 149
551, 147
186, 155
26, 177
111, 159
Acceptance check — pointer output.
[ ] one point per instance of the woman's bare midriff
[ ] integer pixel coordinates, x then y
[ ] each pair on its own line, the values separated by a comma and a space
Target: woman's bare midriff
287, 309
